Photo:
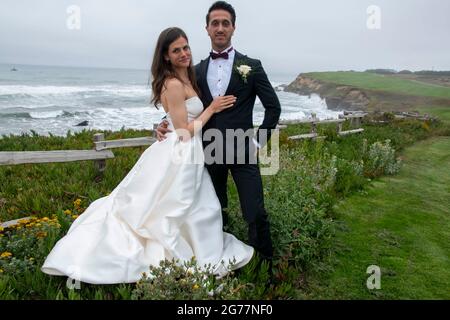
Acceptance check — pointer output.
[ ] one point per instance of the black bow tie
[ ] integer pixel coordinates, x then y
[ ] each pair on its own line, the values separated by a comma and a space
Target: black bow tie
223, 55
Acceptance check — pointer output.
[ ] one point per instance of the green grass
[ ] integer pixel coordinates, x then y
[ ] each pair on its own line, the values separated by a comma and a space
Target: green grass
43, 189
442, 112
367, 80
402, 225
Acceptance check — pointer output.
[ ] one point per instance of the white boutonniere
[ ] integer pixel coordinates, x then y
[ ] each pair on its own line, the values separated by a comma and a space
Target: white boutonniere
244, 71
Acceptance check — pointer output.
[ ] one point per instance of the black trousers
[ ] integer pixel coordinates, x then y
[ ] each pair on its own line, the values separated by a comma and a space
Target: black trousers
247, 178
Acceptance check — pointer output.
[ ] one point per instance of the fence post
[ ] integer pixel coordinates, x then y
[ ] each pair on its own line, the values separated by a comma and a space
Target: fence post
155, 125
99, 165
313, 123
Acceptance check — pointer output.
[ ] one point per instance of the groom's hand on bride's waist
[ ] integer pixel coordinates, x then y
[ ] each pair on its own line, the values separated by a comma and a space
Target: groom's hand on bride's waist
162, 130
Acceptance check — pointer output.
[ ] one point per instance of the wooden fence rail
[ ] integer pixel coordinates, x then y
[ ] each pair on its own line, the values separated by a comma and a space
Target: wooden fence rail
99, 154
355, 120
8, 224
21, 157
123, 143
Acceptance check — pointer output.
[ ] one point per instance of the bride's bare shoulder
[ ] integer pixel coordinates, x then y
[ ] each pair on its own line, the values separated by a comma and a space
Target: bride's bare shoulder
173, 90
173, 84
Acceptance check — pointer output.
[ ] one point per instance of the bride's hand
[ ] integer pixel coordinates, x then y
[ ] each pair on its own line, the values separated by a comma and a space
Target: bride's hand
162, 130
221, 103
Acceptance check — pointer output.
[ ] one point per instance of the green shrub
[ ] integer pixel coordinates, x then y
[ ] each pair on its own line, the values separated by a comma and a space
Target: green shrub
380, 160
388, 116
349, 176
173, 280
298, 210
24, 245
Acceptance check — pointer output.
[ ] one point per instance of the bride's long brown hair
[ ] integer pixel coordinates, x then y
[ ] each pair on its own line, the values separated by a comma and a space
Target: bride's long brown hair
162, 69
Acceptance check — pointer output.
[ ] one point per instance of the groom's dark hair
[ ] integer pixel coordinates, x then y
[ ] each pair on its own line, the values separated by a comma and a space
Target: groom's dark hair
222, 5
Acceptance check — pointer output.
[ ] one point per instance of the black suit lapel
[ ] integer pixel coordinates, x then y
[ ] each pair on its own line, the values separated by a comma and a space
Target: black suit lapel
234, 80
206, 93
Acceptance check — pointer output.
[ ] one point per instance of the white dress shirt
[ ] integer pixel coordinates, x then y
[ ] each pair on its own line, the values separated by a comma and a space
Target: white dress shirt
219, 73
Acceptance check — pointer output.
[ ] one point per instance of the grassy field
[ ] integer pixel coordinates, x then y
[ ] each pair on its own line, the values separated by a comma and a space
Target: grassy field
398, 223
372, 81
402, 225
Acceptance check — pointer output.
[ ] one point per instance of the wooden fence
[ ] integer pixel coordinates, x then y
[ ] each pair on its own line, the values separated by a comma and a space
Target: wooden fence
354, 119
99, 154
101, 150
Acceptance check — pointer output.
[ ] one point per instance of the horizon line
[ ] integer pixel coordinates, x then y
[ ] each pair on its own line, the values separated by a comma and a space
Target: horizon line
71, 66
142, 69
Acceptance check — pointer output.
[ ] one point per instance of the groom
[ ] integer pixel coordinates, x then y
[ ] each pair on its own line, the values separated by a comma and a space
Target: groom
219, 75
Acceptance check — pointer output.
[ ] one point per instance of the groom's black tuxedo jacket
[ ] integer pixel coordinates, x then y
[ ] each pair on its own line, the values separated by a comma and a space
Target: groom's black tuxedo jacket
240, 116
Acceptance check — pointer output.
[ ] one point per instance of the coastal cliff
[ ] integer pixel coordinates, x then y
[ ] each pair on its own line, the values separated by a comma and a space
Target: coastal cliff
365, 91
337, 97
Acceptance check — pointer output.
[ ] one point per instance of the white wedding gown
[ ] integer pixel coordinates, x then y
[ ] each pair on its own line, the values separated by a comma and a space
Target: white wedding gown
165, 208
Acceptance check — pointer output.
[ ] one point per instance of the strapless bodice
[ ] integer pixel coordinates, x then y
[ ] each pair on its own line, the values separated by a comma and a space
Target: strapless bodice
194, 107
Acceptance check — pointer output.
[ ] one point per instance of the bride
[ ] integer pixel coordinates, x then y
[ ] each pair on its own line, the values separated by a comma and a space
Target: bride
166, 206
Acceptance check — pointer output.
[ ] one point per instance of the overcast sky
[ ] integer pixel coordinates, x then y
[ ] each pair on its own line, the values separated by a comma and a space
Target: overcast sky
289, 36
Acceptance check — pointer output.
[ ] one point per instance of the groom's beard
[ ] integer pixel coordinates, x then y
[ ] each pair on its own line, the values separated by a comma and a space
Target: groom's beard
222, 44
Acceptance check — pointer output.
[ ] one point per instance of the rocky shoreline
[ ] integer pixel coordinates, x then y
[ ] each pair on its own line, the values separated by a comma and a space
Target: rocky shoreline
337, 97
350, 98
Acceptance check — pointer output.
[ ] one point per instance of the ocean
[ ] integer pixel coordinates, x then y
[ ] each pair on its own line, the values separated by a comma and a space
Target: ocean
53, 100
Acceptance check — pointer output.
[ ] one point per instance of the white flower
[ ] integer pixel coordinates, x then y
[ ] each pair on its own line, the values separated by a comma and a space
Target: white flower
244, 71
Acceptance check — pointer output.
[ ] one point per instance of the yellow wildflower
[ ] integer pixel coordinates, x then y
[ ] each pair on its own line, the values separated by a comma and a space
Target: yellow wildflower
68, 212
77, 203
1, 229
6, 254
41, 234
38, 224
44, 219
1, 270
195, 286
23, 221
75, 216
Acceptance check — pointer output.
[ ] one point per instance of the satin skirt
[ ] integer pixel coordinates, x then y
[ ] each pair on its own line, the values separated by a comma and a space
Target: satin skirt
165, 208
